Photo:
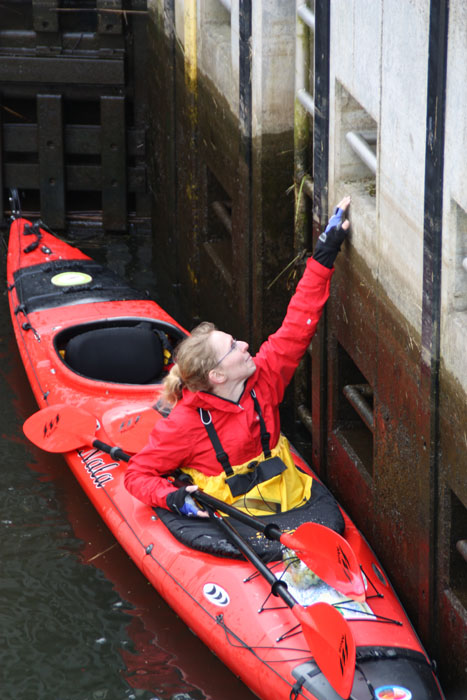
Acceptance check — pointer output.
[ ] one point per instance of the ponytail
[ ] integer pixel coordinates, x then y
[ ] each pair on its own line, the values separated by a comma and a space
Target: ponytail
173, 386
194, 359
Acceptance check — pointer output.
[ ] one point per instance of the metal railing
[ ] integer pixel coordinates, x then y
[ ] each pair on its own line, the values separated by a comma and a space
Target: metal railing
306, 100
306, 15
359, 397
301, 63
360, 142
461, 546
227, 4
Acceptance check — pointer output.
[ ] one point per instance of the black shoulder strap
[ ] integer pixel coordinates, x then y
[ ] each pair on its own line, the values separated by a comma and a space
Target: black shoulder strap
222, 456
265, 436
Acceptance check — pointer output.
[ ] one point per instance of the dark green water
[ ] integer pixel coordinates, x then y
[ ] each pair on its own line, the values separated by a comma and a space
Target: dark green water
77, 619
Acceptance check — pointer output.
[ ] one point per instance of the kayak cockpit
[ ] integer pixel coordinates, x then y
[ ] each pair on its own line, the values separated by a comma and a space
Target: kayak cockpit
204, 535
121, 350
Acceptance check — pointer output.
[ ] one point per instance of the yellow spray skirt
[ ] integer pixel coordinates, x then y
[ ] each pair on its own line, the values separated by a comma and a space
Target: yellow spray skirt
290, 489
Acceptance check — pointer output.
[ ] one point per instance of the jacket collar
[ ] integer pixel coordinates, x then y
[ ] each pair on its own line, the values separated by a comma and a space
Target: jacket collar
208, 400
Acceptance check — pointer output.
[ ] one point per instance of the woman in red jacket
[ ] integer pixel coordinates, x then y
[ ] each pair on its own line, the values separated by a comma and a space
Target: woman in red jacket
223, 432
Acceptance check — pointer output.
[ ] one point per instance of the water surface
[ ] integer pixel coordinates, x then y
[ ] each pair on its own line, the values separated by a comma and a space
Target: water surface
78, 621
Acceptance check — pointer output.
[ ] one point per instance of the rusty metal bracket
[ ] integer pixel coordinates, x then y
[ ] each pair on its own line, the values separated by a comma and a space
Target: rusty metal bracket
45, 16
461, 546
109, 18
357, 395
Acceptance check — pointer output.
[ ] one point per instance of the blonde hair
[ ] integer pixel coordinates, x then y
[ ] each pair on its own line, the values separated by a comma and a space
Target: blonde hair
194, 359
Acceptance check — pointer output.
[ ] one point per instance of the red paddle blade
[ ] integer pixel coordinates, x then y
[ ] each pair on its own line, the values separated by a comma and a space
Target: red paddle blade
331, 642
60, 428
329, 556
129, 427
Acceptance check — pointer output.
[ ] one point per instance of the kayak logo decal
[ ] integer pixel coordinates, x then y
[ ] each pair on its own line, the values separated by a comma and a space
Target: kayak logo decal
50, 426
344, 562
216, 594
344, 653
96, 467
392, 692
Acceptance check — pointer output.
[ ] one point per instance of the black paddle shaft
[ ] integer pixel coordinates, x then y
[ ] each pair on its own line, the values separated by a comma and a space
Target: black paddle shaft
114, 452
269, 530
278, 587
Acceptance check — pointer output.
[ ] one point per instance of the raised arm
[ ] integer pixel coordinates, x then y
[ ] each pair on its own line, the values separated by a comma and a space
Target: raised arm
283, 350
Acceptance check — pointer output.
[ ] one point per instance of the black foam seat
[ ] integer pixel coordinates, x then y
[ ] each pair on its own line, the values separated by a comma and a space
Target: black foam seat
127, 355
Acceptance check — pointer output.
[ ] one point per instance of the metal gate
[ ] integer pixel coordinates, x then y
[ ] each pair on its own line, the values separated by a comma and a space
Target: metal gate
72, 109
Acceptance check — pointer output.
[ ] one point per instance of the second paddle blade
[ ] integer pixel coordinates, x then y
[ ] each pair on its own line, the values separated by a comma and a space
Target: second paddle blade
130, 427
329, 556
60, 428
332, 644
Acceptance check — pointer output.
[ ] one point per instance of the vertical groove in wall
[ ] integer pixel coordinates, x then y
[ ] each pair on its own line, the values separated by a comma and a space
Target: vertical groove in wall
301, 134
320, 211
245, 117
3, 218
169, 12
432, 252
190, 42
191, 87
321, 117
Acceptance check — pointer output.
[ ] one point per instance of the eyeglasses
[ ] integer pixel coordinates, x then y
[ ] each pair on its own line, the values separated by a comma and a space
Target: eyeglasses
233, 346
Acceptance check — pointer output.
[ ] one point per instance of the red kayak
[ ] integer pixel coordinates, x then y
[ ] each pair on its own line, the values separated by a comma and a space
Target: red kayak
292, 608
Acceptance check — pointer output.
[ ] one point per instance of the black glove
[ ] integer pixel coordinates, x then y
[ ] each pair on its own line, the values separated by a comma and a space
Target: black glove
181, 502
329, 243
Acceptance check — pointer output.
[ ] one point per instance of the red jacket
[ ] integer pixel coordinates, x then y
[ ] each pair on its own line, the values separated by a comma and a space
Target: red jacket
181, 440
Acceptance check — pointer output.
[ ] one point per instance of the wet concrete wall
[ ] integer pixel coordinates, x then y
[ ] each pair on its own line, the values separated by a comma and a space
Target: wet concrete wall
398, 317
384, 477
224, 228
222, 197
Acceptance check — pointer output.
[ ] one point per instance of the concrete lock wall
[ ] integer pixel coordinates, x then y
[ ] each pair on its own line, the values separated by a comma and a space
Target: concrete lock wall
223, 162
414, 483
386, 75
234, 155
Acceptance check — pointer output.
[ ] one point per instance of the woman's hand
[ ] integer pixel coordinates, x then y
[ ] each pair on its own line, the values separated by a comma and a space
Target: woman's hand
329, 243
199, 513
344, 203
182, 503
